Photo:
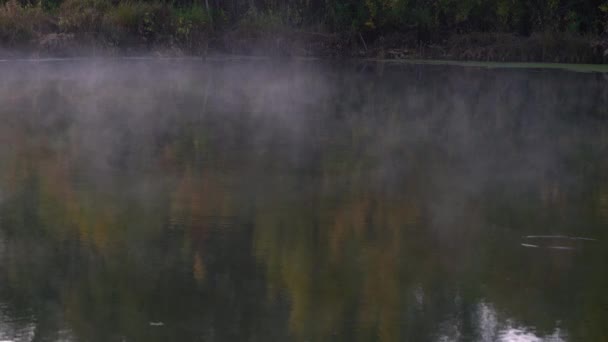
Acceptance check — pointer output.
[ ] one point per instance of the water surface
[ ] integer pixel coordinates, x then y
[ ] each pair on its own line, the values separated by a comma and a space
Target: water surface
168, 200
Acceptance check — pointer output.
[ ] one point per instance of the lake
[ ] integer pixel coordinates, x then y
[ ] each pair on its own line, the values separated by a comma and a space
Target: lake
260, 200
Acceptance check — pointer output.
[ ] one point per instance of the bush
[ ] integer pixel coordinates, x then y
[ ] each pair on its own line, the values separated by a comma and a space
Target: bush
604, 9
20, 25
127, 22
262, 21
129, 15
83, 15
143, 21
195, 15
190, 23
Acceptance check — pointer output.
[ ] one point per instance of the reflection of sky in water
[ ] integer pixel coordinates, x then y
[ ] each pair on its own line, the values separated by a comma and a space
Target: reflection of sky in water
493, 328
16, 329
508, 331
25, 329
523, 335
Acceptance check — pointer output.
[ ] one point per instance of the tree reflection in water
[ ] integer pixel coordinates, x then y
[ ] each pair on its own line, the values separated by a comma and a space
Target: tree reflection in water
258, 201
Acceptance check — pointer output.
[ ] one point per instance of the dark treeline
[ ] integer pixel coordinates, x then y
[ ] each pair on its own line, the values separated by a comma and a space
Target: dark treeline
190, 22
520, 16
432, 16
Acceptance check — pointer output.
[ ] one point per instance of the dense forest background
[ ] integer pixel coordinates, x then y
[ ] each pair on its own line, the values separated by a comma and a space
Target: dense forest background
361, 25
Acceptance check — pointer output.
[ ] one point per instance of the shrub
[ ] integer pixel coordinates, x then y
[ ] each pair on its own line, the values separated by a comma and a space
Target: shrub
188, 20
21, 24
83, 15
190, 25
262, 21
604, 9
144, 21
129, 15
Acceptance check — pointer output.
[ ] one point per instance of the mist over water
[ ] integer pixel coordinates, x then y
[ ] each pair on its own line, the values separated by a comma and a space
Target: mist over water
182, 200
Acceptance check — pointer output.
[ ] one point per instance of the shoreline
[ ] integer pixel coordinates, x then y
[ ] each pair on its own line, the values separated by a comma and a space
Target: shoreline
218, 57
365, 29
471, 47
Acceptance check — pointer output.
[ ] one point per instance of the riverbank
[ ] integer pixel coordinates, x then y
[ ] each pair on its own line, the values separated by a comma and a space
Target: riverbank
466, 47
491, 47
99, 28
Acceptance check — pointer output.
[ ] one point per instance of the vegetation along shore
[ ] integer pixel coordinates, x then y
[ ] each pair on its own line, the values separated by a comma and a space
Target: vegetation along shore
566, 31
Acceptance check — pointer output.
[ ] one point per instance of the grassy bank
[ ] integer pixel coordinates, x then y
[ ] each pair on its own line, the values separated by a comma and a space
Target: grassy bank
110, 27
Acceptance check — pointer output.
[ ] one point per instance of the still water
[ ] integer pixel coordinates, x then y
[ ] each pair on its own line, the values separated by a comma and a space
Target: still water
182, 200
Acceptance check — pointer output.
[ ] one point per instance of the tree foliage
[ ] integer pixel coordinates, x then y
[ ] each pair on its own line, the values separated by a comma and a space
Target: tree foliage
380, 16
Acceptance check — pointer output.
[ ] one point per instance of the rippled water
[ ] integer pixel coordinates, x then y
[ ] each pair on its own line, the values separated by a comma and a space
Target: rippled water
181, 200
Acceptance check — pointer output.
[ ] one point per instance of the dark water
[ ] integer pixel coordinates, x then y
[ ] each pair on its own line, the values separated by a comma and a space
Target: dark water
273, 201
